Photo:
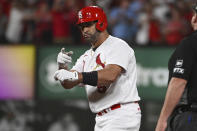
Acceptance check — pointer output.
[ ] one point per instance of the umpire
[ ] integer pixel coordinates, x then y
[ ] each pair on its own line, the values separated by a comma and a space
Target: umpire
179, 112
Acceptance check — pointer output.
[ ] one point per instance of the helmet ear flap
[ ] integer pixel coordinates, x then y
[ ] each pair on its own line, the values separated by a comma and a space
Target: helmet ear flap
101, 26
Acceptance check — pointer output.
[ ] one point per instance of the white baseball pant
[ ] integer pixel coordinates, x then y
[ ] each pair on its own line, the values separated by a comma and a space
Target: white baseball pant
125, 118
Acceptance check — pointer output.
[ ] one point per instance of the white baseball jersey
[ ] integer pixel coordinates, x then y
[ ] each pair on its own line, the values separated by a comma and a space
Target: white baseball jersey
112, 51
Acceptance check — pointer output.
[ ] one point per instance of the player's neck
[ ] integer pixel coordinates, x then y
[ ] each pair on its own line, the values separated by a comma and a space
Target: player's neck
101, 38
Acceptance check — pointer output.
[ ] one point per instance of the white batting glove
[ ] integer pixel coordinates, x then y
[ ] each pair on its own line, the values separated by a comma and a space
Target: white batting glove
64, 58
63, 75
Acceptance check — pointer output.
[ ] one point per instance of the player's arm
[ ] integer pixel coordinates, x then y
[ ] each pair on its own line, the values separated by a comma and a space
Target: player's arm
103, 77
69, 85
174, 92
109, 74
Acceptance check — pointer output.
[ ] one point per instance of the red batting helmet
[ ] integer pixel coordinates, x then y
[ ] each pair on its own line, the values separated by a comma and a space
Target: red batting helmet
93, 13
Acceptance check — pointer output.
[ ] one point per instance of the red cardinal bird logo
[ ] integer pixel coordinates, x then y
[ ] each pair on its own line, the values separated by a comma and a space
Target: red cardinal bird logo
101, 89
98, 61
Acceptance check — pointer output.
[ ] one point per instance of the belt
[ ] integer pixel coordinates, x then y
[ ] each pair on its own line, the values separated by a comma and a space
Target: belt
185, 108
113, 107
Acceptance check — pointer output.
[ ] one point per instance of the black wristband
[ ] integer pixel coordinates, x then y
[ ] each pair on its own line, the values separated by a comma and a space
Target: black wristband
90, 78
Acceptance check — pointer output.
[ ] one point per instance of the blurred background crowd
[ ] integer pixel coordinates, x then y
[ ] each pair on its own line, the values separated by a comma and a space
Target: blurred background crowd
139, 22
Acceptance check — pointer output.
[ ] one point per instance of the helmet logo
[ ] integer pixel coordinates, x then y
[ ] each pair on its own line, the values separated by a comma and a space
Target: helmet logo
80, 15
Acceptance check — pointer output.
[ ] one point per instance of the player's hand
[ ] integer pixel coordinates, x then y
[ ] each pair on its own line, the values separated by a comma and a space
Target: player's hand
64, 58
194, 21
64, 75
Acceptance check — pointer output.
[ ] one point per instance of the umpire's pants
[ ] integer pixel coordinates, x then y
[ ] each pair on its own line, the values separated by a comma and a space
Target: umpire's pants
185, 121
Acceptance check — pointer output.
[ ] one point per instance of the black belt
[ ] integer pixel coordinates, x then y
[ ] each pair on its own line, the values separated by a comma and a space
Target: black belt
185, 108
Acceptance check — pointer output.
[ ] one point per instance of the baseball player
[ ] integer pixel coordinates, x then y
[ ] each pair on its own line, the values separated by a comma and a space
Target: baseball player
108, 71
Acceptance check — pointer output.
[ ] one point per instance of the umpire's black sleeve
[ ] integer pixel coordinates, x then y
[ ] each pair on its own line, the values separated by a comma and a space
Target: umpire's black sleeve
184, 59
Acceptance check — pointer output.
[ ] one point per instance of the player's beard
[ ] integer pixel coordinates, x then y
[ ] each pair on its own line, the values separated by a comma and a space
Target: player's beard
92, 38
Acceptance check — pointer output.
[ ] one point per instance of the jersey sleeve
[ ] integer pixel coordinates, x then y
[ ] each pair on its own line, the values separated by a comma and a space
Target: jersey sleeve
120, 54
79, 64
184, 59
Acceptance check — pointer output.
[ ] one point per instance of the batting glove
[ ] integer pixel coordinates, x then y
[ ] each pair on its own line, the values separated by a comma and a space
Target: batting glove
63, 75
64, 58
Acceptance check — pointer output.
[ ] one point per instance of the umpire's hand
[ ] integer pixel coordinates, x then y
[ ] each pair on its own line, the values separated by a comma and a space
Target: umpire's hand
161, 125
64, 58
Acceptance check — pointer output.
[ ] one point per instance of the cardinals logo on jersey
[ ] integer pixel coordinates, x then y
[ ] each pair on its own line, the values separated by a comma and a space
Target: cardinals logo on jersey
99, 62
101, 89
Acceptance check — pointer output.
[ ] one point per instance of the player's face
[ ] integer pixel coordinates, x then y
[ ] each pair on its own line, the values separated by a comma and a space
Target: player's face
89, 32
